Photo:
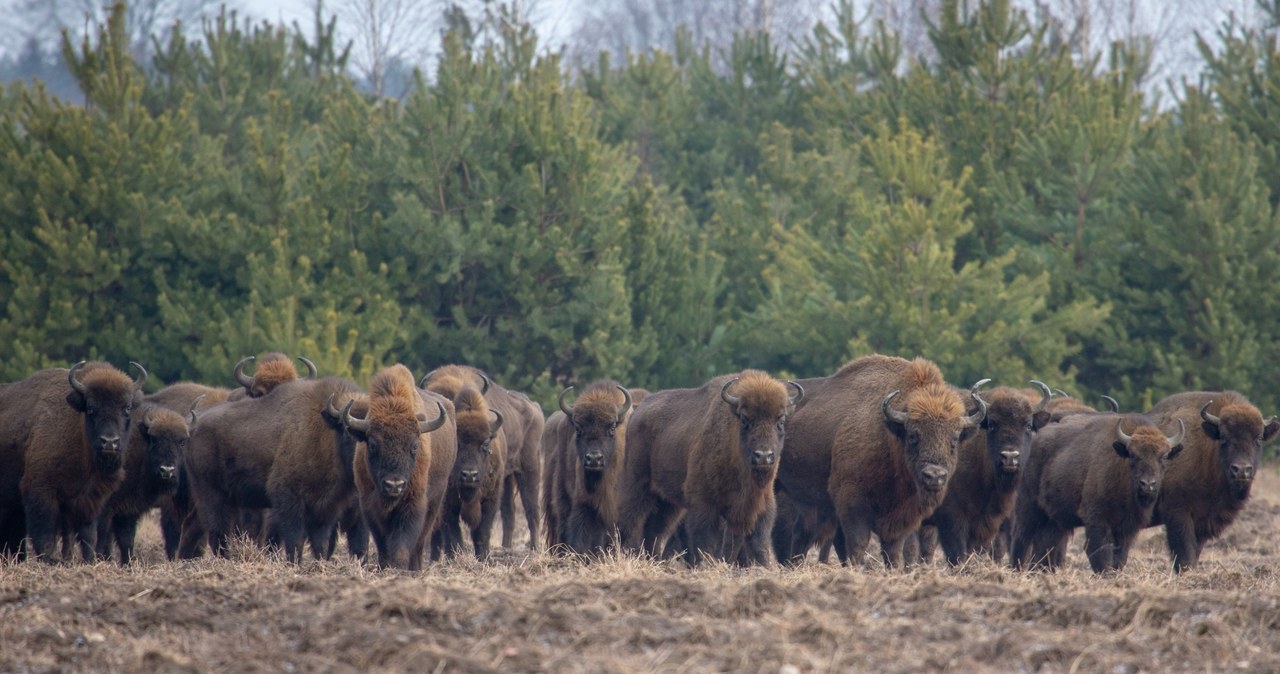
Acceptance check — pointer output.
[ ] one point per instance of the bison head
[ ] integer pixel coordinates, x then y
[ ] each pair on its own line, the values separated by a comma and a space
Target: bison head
273, 370
1010, 423
1148, 452
106, 397
598, 420
478, 427
930, 430
761, 405
1239, 431
165, 434
392, 438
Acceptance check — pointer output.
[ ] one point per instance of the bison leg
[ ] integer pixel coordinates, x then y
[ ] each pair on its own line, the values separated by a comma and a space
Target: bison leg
583, 530
954, 538
191, 537
322, 535
856, 528
102, 550
356, 532
125, 530
1124, 543
42, 527
483, 529
1099, 545
757, 543
527, 481
1180, 534
891, 550
508, 511
171, 518
285, 525
706, 535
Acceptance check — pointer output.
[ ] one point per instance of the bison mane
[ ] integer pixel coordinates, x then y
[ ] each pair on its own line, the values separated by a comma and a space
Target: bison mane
933, 401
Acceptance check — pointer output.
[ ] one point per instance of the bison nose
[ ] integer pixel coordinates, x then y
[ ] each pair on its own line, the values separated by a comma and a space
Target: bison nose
1241, 472
168, 472
110, 443
470, 477
593, 460
1148, 487
935, 477
1010, 459
393, 486
762, 457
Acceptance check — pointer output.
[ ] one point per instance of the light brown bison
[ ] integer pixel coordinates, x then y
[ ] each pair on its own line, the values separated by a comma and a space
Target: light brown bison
1209, 485
1088, 471
875, 450
709, 454
62, 433
585, 447
273, 369
475, 485
522, 427
401, 470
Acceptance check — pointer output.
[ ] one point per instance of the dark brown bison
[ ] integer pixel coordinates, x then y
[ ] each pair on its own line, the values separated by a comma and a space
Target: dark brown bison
585, 447
1088, 471
152, 464
522, 427
475, 485
176, 509
980, 495
875, 450
1209, 485
62, 435
273, 369
710, 454
401, 468
283, 451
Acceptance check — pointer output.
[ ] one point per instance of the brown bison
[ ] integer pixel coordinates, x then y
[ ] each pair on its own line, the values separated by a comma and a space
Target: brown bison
273, 370
152, 464
711, 452
62, 434
1062, 406
1087, 471
475, 485
1207, 488
522, 427
585, 448
980, 495
401, 469
875, 450
176, 509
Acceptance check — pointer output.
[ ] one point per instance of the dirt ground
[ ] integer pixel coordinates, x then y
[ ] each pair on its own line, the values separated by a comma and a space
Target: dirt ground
534, 612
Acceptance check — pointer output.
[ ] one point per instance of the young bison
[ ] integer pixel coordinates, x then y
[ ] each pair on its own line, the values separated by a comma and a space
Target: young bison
1087, 471
712, 451
475, 485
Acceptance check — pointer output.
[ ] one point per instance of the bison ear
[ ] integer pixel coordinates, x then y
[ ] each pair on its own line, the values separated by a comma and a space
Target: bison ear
76, 400
1120, 449
1039, 419
1211, 430
1272, 425
1173, 452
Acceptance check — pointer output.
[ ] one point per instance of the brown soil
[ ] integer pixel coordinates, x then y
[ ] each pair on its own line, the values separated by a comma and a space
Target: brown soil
523, 612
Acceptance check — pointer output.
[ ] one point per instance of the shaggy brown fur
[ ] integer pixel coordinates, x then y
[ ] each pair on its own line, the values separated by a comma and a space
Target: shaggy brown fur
849, 461
1081, 473
522, 427
692, 450
60, 454
585, 455
1207, 488
401, 468
273, 369
475, 484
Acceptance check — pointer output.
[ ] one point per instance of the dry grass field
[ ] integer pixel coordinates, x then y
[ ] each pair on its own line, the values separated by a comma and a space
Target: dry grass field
524, 612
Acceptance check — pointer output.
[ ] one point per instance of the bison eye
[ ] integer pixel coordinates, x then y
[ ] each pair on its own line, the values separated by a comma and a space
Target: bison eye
486, 448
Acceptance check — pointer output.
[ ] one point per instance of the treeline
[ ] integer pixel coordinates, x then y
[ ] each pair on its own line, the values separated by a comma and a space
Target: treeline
1004, 209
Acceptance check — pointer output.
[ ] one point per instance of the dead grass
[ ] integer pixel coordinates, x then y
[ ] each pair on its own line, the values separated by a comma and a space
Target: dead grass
526, 612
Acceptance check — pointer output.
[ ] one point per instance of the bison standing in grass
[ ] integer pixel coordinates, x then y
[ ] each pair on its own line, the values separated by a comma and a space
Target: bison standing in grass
475, 486
1207, 488
1088, 471
875, 450
401, 471
712, 451
62, 436
585, 446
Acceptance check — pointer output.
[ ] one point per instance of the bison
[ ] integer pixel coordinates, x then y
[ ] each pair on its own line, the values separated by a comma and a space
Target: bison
1087, 471
711, 452
273, 370
585, 447
875, 450
1062, 406
62, 433
401, 468
475, 485
1207, 488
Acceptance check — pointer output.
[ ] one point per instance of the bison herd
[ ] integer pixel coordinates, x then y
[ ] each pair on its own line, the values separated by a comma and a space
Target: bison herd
746, 468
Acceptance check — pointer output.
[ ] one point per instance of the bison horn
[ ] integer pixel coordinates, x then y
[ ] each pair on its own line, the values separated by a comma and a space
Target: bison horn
1204, 414
1125, 438
978, 384
799, 396
142, 374
194, 404
1111, 402
896, 417
425, 426
422, 383
330, 410
244, 380
485, 389
1060, 393
361, 425
1177, 439
1045, 394
626, 403
496, 423
311, 367
976, 418
729, 397
567, 409
71, 377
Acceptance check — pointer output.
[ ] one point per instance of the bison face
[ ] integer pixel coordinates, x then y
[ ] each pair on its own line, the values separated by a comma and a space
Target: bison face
1239, 432
477, 433
1148, 453
1010, 426
761, 406
392, 447
106, 398
166, 435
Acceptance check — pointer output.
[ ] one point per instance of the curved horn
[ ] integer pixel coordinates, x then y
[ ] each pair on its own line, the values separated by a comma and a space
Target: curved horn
976, 418
1060, 393
896, 417
485, 389
1124, 438
330, 410
142, 374
194, 404
422, 383
1177, 439
1045, 394
1111, 402
626, 402
1204, 414
729, 397
978, 384
361, 425
71, 377
311, 367
245, 381
496, 423
799, 397
567, 409
425, 426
